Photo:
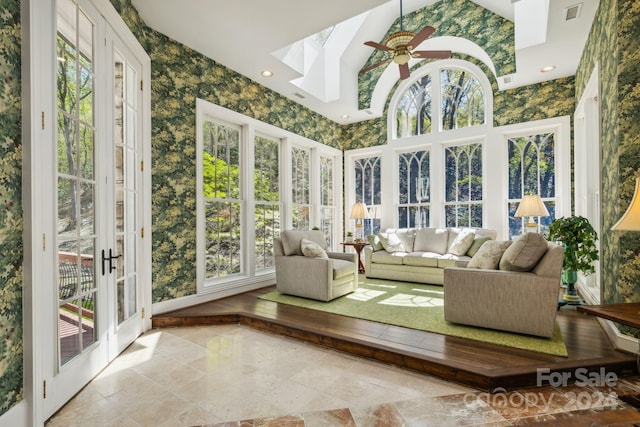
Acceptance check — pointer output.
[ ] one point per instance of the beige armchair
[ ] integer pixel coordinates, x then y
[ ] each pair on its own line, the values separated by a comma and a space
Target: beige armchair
309, 276
523, 302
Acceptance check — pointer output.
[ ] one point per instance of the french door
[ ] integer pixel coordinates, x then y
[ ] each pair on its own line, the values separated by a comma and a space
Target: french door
100, 256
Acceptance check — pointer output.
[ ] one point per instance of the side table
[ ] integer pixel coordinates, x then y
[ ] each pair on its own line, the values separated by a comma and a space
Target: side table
357, 245
627, 314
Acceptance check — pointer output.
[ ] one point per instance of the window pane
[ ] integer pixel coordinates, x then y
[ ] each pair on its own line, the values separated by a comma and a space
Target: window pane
463, 185
462, 103
414, 187
413, 114
367, 189
531, 171
267, 199
221, 190
300, 171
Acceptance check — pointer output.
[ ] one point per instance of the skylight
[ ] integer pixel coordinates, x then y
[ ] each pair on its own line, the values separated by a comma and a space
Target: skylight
322, 36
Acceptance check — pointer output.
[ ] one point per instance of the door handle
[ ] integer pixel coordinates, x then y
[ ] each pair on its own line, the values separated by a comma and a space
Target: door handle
110, 259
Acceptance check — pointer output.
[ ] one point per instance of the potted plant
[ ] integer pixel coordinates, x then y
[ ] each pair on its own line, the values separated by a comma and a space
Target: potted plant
349, 236
580, 251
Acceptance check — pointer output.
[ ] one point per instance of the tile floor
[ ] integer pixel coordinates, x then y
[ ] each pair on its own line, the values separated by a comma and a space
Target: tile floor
217, 375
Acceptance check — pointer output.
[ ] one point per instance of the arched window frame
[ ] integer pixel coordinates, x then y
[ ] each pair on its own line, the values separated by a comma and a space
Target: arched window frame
434, 69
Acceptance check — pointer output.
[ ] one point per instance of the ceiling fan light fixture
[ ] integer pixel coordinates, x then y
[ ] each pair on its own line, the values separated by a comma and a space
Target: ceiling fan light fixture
401, 38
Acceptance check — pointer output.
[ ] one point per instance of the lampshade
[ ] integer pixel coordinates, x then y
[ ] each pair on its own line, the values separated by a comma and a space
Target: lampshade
531, 205
631, 218
359, 211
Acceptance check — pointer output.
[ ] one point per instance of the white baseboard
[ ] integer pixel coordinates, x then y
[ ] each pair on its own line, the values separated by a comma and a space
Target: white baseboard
17, 416
191, 300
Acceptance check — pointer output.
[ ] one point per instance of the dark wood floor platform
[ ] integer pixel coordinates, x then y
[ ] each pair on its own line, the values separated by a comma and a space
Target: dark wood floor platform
480, 365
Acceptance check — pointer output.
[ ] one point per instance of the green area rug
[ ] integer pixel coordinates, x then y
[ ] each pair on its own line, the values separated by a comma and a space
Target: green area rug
419, 307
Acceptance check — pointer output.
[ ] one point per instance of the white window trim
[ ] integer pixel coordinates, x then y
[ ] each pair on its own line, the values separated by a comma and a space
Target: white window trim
249, 278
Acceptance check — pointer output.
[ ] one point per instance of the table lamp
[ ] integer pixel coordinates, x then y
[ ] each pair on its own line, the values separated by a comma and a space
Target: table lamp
630, 221
531, 205
359, 212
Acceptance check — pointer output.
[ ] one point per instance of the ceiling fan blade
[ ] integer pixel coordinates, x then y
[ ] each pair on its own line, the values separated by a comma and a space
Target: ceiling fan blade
404, 71
371, 67
436, 54
421, 36
378, 46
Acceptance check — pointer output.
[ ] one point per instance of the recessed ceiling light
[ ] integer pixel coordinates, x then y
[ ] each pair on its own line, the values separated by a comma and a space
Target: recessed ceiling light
548, 68
267, 73
345, 116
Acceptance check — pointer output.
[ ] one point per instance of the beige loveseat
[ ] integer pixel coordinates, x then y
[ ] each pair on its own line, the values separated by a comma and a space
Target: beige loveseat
422, 254
313, 272
520, 295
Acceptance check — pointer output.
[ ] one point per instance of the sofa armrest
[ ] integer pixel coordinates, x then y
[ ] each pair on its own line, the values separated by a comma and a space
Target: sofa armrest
299, 269
346, 256
368, 254
515, 301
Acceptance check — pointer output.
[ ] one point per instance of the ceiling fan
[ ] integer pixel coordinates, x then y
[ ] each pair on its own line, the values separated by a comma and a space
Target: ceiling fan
401, 45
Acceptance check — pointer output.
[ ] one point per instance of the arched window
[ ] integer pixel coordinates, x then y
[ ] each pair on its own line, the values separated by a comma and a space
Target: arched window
456, 91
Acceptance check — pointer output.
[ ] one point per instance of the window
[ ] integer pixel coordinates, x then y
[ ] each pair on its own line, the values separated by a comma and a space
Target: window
463, 185
327, 200
368, 190
413, 114
266, 191
300, 169
456, 91
413, 189
222, 199
532, 170
254, 180
462, 99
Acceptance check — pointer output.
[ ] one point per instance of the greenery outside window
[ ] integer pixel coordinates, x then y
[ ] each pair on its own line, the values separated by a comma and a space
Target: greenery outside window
266, 190
463, 185
414, 189
300, 171
222, 199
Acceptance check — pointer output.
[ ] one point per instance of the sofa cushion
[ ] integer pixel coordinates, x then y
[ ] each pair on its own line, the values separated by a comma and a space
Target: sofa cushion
384, 257
524, 253
391, 242
477, 242
462, 242
421, 259
489, 254
312, 249
342, 268
374, 241
291, 240
431, 240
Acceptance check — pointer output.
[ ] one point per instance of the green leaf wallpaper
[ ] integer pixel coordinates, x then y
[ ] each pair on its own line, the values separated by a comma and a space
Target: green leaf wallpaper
456, 18
11, 248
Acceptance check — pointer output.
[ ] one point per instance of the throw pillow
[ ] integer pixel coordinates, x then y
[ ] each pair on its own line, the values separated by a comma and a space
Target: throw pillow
375, 242
477, 242
391, 243
462, 242
312, 249
524, 253
489, 254
431, 240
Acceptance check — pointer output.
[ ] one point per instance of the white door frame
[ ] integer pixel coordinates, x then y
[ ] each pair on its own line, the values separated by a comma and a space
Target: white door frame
39, 106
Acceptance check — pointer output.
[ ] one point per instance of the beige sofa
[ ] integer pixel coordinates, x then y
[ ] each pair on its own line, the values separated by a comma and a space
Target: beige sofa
517, 301
322, 275
423, 253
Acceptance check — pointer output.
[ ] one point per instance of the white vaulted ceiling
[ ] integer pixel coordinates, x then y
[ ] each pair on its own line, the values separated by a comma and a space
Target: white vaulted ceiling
250, 36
